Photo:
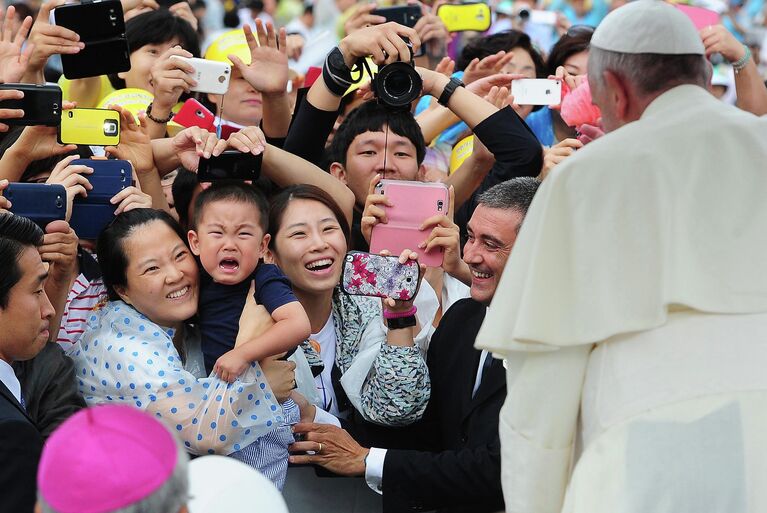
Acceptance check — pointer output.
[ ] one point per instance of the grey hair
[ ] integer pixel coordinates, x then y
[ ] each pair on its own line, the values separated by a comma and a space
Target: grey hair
649, 73
515, 194
169, 498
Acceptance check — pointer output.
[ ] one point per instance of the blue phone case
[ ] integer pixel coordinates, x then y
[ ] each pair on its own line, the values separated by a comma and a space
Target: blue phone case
92, 214
42, 203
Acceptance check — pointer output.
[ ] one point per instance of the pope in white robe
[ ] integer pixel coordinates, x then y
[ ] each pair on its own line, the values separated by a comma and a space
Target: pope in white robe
633, 309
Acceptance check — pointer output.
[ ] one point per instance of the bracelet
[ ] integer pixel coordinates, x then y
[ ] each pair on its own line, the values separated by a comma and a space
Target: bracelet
741, 63
401, 322
398, 315
160, 121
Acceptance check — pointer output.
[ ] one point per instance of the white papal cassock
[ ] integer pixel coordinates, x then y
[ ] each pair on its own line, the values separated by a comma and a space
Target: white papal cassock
633, 316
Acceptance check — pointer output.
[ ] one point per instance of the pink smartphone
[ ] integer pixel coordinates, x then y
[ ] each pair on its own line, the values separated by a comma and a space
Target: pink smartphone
379, 276
700, 16
412, 204
194, 113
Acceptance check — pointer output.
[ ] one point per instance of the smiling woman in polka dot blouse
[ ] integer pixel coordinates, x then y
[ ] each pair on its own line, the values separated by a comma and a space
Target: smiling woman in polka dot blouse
128, 356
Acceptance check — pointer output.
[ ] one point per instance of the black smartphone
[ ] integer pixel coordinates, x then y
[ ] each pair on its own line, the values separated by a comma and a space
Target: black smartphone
407, 15
101, 26
42, 203
166, 4
41, 104
92, 214
230, 165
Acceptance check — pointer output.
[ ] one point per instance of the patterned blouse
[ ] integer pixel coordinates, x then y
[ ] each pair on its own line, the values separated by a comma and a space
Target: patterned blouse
125, 358
388, 385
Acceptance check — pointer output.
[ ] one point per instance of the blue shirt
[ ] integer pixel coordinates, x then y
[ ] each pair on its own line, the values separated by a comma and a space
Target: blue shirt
542, 126
221, 305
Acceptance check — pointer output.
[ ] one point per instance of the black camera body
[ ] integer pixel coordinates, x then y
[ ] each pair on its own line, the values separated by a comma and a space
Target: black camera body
398, 84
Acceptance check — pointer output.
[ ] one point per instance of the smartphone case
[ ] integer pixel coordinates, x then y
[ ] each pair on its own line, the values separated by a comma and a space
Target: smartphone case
413, 203
537, 91
92, 214
211, 76
194, 113
366, 274
407, 15
230, 165
464, 17
40, 202
90, 127
101, 26
41, 104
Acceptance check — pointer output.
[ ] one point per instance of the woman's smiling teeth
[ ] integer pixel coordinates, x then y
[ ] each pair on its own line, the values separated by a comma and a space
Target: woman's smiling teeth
177, 294
319, 265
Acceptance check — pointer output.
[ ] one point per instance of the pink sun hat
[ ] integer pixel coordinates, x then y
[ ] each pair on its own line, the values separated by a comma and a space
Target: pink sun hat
105, 458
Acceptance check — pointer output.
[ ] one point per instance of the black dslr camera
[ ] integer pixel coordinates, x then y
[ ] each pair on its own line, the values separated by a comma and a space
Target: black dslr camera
398, 84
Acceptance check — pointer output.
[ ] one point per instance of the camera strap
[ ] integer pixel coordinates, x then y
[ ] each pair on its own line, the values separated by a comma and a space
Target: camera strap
363, 63
220, 116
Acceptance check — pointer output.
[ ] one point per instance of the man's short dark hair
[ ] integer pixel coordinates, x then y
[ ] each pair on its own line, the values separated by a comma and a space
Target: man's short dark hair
239, 192
515, 194
373, 117
16, 234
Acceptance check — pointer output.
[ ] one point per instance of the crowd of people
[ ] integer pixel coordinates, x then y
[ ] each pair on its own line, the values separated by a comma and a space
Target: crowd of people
588, 341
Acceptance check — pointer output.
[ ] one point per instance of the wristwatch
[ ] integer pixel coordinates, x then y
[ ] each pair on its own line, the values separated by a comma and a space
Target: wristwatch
401, 322
449, 90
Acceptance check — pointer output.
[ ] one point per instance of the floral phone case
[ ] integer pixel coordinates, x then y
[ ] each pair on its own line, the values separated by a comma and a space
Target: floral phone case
366, 274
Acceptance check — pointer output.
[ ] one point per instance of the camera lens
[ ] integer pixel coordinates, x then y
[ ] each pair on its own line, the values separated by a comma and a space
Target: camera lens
524, 14
110, 127
399, 84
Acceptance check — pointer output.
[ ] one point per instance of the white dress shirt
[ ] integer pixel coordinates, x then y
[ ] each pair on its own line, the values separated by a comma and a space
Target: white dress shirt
8, 377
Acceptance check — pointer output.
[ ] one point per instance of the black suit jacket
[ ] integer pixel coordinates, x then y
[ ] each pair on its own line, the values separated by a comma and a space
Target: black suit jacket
460, 470
20, 447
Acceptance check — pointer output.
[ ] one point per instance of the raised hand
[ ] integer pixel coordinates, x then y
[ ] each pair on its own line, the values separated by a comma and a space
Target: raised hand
558, 153
445, 234
490, 65
184, 11
59, 249
193, 143
40, 142
130, 198
135, 142
383, 43
5, 203
267, 72
248, 140
73, 179
170, 78
13, 61
717, 39
373, 213
10, 94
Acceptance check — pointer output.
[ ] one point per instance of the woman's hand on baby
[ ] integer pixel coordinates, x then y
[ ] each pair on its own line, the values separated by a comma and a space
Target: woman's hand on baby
230, 366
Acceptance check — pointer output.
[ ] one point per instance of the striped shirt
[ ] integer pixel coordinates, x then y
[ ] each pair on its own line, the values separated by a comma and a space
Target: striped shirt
88, 293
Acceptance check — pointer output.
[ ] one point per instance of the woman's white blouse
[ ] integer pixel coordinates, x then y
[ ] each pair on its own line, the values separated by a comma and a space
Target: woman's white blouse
125, 358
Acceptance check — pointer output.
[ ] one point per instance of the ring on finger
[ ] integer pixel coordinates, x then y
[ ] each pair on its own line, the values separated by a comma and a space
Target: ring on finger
319, 451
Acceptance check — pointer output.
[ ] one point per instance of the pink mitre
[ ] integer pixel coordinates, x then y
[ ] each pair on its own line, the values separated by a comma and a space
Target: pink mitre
105, 458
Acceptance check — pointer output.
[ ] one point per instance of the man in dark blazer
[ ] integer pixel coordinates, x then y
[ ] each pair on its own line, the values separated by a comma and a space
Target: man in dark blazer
452, 462
25, 314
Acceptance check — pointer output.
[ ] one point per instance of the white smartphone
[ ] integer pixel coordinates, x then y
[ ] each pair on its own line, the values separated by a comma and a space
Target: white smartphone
536, 91
211, 76
543, 17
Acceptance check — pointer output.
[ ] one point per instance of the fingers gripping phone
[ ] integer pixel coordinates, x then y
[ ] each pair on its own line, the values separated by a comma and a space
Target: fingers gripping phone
90, 215
230, 165
41, 104
90, 127
412, 204
101, 27
536, 91
371, 275
211, 76
464, 17
40, 202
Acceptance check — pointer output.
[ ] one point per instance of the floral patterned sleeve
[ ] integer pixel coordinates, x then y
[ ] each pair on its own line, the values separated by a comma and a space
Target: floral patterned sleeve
398, 388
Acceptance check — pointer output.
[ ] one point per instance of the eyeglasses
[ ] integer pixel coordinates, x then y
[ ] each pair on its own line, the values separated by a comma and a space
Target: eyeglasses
579, 30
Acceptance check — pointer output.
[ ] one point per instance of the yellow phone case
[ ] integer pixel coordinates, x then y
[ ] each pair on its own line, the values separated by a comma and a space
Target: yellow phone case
463, 17
90, 127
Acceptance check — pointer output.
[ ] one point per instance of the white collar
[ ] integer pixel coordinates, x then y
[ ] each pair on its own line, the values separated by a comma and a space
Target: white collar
8, 377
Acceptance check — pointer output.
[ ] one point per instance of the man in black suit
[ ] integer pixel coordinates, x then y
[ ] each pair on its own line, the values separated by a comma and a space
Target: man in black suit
454, 461
25, 314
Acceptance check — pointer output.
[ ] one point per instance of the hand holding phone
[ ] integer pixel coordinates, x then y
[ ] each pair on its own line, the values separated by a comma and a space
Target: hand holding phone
30, 104
42, 203
194, 113
74, 178
5, 204
464, 17
537, 91
168, 85
366, 274
210, 76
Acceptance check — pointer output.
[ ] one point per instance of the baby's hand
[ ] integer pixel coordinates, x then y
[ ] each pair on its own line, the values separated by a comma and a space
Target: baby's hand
230, 366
